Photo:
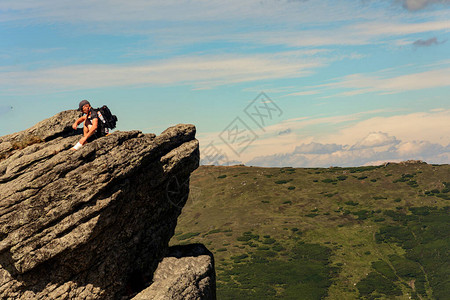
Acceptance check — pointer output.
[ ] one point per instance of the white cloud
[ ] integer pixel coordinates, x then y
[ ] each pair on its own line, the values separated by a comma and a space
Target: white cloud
295, 134
430, 126
304, 93
375, 139
317, 148
339, 155
384, 82
358, 33
395, 29
170, 10
416, 148
437, 109
305, 23
201, 72
350, 140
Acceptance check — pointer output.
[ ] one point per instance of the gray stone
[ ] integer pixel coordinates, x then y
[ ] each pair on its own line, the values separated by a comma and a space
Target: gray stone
45, 130
187, 272
92, 223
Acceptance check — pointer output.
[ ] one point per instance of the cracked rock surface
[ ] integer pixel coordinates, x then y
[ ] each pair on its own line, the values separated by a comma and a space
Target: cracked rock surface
186, 273
92, 223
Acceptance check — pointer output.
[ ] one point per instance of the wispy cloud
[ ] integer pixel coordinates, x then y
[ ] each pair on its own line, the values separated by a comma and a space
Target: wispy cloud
385, 82
414, 5
426, 126
200, 72
293, 23
358, 33
170, 10
304, 93
426, 43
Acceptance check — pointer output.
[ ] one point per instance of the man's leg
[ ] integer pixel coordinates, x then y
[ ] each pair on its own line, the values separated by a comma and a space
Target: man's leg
85, 132
86, 129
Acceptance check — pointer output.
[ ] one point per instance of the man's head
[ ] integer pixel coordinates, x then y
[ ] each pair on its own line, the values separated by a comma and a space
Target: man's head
84, 106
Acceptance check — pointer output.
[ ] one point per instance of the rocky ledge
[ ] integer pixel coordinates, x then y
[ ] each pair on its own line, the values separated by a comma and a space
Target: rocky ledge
92, 223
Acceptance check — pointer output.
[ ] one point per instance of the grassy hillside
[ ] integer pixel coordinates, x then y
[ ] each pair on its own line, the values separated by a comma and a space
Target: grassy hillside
335, 233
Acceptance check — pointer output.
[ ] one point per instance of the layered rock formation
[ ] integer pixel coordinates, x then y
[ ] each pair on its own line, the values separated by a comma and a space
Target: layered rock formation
186, 273
92, 223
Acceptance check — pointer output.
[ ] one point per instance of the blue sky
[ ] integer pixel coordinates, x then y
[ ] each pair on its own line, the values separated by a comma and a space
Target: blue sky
344, 83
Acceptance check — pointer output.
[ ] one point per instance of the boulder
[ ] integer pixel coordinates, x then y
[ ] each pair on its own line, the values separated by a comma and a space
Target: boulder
186, 273
92, 223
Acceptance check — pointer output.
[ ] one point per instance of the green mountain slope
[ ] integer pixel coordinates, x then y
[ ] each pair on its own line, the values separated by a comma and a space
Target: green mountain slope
335, 233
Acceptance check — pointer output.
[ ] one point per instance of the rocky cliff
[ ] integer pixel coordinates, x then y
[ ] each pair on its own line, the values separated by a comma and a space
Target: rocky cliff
92, 223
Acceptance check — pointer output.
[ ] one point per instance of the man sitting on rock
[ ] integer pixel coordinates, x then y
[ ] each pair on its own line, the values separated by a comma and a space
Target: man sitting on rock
91, 128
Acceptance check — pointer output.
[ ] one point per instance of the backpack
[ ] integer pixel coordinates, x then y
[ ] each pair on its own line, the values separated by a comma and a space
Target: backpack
108, 120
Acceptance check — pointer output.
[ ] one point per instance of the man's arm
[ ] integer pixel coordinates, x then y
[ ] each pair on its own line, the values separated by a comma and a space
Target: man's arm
78, 122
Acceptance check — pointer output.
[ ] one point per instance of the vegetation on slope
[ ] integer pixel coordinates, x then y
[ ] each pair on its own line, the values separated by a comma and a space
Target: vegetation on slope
335, 233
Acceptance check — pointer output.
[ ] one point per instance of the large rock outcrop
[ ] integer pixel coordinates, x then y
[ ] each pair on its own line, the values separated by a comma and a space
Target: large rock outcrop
92, 223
